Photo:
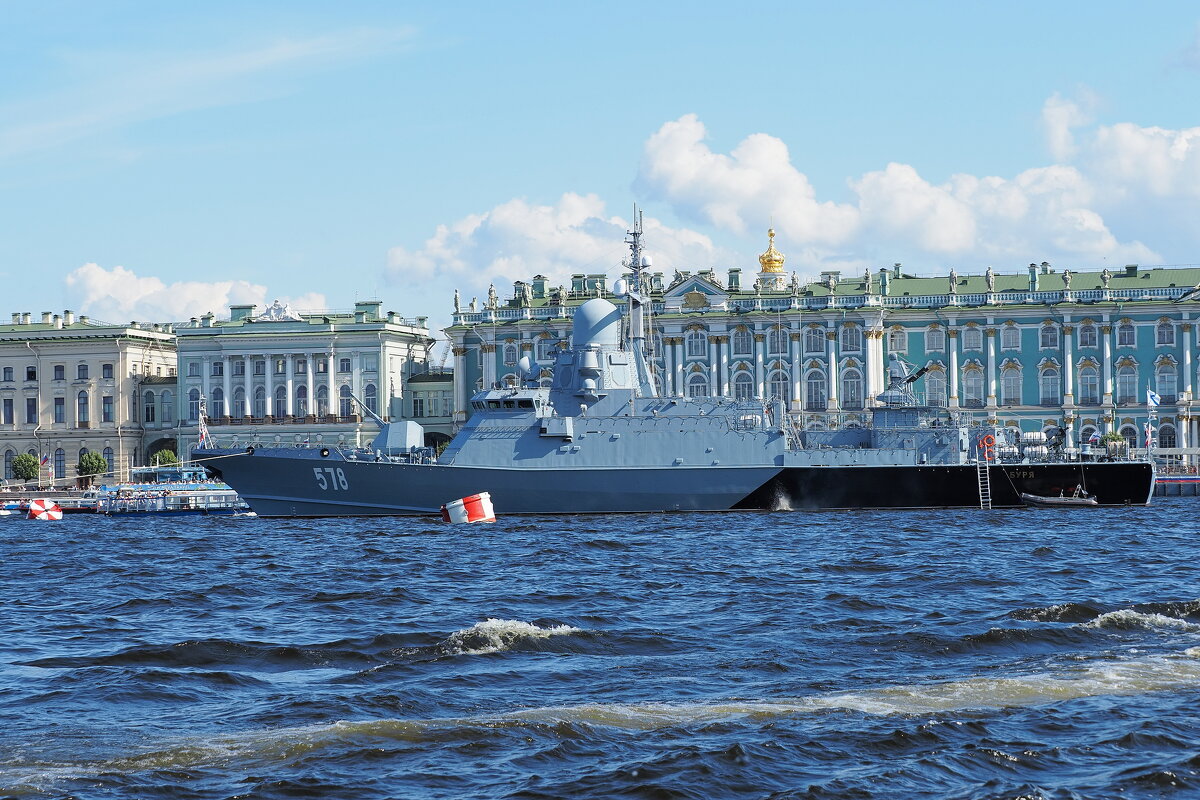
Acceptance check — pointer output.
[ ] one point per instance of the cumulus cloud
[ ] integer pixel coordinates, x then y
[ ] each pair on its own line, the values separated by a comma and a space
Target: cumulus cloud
1044, 212
755, 182
517, 240
119, 295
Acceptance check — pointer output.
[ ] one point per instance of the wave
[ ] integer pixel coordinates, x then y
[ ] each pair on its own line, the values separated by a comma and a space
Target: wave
1129, 619
1178, 671
493, 635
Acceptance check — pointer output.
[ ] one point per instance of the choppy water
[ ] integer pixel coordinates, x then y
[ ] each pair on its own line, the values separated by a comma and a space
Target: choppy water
953, 654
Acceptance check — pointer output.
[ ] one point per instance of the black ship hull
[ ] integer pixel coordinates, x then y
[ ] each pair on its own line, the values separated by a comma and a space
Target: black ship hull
1116, 483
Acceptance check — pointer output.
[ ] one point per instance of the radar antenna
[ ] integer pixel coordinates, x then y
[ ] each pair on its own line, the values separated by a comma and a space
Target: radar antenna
640, 303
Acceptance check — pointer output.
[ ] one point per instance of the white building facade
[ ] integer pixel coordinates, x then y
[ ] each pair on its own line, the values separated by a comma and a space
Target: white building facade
71, 385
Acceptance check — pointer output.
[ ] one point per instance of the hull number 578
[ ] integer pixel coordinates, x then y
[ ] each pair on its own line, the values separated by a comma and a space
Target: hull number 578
330, 478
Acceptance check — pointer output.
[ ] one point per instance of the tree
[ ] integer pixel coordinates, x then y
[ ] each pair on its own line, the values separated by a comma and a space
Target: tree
164, 458
91, 463
26, 467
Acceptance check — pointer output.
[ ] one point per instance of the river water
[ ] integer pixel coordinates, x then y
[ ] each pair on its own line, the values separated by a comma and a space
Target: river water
874, 654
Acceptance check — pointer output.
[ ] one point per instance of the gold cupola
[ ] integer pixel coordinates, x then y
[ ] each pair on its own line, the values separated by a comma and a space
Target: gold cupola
772, 260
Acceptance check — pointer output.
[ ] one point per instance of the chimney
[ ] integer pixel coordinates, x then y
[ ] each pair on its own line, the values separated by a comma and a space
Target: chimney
1045, 267
84, 319
46, 317
68, 317
1033, 277
16, 318
734, 281
26, 318
883, 281
57, 321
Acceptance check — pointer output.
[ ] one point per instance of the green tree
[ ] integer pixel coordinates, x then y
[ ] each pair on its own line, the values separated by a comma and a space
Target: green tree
164, 458
26, 467
91, 463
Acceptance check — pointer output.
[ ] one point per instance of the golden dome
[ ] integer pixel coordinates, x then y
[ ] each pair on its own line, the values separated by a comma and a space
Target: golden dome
772, 260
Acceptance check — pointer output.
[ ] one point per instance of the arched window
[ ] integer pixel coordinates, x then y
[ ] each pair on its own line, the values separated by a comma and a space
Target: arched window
239, 403
1087, 433
897, 341
1127, 385
194, 405
509, 380
302, 400
742, 341
972, 385
1126, 337
322, 401
814, 391
972, 339
1050, 385
1165, 334
81, 404
1089, 386
779, 386
149, 405
777, 340
697, 344
1165, 382
260, 403
1166, 436
345, 404
82, 453
166, 403
1010, 387
279, 405
371, 398
108, 459
852, 390
1087, 336
743, 385
216, 407
935, 389
814, 340
935, 339
60, 463
9, 455
1010, 338
1131, 435
851, 339
697, 385
343, 365
510, 354
545, 349
1049, 336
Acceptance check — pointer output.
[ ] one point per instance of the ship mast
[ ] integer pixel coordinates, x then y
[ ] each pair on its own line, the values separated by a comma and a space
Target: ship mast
638, 297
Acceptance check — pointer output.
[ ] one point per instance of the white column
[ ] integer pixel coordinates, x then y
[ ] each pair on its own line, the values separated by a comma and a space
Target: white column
952, 341
334, 405
1186, 331
990, 335
227, 382
356, 375
797, 359
248, 385
760, 345
677, 358
308, 385
205, 369
489, 365
723, 350
460, 380
1068, 367
289, 368
1106, 332
269, 384
713, 366
832, 368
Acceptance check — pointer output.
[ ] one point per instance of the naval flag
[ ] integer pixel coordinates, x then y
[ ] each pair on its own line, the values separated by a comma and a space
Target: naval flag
1152, 398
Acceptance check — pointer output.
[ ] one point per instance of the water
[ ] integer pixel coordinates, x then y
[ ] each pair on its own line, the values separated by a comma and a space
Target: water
956, 654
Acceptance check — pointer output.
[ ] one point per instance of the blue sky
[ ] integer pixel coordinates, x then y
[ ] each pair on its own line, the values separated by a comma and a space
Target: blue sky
162, 160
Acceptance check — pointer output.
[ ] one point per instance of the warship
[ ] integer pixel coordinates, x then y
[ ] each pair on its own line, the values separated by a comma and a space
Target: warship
602, 439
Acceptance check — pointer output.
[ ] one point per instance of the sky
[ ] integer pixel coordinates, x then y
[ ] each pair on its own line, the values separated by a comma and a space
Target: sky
162, 160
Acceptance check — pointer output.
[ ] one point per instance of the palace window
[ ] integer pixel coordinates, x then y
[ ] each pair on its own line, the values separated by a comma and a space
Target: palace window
238, 409
935, 339
1127, 385
60, 372
1010, 338
972, 339
345, 404
743, 385
81, 408
779, 386
935, 389
1010, 387
743, 342
1166, 436
972, 388
106, 371
1089, 386
1050, 384
149, 406
9, 413
193, 369
897, 341
260, 402
697, 344
1087, 336
697, 385
851, 339
239, 369
218, 369
1166, 382
60, 409
1049, 336
510, 354
814, 391
8, 373
1125, 335
216, 408
852, 390
371, 398
545, 349
1165, 333
777, 341
344, 366
106, 408
814, 340
81, 372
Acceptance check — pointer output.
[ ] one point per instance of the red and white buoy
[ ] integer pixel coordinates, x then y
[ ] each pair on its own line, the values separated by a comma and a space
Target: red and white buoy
476, 508
44, 509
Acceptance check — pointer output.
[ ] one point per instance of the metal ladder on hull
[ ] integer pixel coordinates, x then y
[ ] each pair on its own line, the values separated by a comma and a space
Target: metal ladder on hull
985, 483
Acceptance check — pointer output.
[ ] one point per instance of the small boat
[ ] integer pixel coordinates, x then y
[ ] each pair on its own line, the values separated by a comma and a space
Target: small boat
1078, 498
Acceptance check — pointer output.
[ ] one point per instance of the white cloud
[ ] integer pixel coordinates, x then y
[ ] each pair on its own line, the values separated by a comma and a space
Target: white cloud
1041, 213
1060, 116
120, 296
1160, 161
517, 240
755, 183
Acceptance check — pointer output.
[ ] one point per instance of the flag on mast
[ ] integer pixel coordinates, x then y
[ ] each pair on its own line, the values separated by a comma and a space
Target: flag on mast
1152, 398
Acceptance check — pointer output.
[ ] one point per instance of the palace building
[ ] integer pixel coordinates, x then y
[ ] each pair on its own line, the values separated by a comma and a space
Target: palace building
69, 385
1035, 348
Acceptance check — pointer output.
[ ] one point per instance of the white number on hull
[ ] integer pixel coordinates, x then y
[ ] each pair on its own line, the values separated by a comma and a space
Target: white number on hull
335, 481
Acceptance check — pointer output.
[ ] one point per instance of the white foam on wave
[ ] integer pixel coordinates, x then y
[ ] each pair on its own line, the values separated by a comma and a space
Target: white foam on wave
494, 635
21, 775
1127, 618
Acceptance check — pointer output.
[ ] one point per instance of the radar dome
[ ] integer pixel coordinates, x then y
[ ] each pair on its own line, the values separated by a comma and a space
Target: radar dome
597, 323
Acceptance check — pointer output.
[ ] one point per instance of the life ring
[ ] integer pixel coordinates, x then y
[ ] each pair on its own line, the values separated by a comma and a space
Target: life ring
324, 452
989, 454
250, 450
988, 440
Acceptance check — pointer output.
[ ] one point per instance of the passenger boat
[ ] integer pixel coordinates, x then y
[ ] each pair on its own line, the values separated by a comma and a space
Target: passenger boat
601, 439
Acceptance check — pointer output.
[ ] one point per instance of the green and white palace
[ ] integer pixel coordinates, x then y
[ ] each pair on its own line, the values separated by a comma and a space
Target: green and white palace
1034, 348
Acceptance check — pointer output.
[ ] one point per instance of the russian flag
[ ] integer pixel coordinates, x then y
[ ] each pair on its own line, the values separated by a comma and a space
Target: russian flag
45, 459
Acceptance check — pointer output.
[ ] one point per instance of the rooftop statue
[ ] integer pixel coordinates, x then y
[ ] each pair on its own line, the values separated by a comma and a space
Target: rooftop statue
279, 312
